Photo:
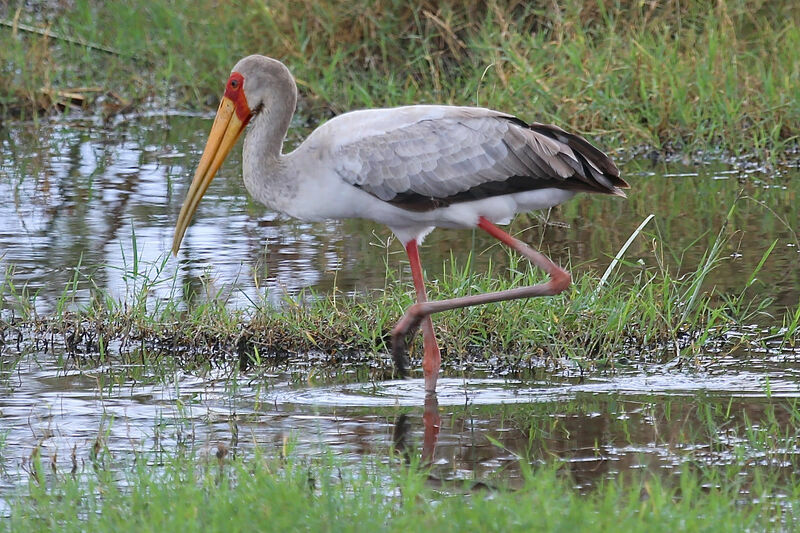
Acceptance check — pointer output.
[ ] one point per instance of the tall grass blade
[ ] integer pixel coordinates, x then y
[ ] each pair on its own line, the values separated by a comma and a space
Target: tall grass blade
622, 251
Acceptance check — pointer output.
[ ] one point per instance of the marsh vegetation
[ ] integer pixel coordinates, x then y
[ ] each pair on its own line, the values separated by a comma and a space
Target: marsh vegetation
249, 381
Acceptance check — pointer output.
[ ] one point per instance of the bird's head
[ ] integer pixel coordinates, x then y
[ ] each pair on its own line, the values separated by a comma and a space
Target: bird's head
257, 85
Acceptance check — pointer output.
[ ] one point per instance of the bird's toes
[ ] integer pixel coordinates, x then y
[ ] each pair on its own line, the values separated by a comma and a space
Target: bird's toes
399, 355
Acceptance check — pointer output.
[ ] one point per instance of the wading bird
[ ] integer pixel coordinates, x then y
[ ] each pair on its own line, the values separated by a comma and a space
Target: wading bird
411, 168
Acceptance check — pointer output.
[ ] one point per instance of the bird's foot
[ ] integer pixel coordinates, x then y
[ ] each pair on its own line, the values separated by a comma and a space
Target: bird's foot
404, 331
399, 355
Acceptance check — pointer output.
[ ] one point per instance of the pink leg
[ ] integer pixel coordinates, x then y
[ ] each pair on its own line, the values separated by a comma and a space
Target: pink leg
432, 358
420, 312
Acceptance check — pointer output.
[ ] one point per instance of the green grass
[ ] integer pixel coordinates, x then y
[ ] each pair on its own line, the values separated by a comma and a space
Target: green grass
667, 74
657, 313
258, 493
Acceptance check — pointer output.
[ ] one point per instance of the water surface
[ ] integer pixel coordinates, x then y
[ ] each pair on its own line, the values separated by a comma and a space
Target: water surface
646, 417
105, 197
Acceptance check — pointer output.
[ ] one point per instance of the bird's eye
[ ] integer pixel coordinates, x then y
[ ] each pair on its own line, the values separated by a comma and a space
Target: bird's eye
234, 84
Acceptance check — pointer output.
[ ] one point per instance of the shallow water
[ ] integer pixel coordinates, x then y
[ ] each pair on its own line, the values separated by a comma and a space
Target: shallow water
651, 417
83, 193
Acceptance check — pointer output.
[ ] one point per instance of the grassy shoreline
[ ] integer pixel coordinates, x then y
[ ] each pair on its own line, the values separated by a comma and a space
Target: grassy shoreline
653, 315
668, 75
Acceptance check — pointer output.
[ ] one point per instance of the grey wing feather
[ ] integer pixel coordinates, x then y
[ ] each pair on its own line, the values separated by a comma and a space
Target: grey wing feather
452, 157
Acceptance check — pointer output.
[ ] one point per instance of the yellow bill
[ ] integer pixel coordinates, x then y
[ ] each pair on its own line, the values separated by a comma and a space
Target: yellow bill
224, 133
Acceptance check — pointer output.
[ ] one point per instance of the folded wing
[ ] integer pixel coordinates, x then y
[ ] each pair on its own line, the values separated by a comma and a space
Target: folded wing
422, 161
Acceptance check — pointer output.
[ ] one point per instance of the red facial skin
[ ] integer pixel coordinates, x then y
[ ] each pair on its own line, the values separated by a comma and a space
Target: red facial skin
235, 91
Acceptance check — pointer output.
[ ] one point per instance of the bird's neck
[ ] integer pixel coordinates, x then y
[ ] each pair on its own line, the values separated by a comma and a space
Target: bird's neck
264, 166
267, 131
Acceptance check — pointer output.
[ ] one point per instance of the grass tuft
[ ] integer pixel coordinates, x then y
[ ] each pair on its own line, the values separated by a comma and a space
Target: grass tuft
639, 315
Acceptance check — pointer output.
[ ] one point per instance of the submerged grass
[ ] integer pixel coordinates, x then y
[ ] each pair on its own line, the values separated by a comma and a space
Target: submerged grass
292, 494
679, 74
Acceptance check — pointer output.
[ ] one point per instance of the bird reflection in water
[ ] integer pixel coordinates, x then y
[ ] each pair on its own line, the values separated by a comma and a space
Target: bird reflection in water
431, 421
